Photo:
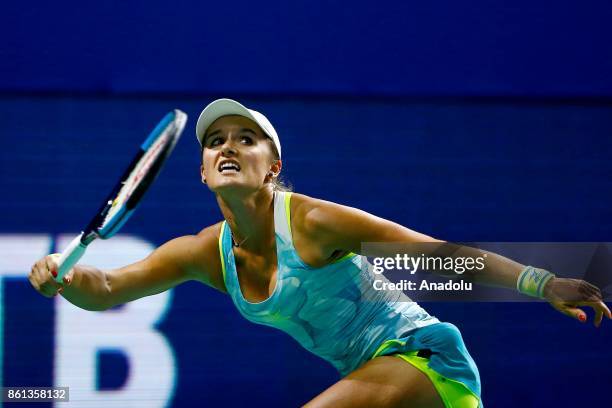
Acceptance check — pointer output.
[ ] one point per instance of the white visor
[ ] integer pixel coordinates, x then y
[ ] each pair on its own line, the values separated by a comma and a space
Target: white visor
225, 107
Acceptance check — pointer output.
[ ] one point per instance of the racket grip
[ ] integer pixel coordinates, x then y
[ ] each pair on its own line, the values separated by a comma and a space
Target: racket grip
70, 257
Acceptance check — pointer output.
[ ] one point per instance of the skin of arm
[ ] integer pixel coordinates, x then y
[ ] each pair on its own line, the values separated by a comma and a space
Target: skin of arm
336, 227
332, 227
193, 257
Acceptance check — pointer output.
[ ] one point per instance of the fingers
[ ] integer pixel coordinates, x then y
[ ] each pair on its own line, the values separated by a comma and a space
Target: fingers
607, 311
41, 277
575, 312
67, 278
571, 311
600, 310
51, 265
594, 298
598, 317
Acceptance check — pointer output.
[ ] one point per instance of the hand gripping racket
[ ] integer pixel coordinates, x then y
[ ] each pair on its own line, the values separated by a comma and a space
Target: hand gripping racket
125, 196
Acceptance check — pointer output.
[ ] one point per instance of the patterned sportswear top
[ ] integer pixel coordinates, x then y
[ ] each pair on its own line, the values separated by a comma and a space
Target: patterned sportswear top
332, 311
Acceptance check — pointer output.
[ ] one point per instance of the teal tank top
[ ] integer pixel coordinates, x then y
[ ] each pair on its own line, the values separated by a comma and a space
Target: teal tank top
332, 311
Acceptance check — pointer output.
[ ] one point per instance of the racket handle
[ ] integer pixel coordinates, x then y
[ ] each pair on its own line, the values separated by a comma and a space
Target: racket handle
70, 257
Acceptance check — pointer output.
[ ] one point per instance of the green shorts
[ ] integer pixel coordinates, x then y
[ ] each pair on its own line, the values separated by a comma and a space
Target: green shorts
454, 393
439, 353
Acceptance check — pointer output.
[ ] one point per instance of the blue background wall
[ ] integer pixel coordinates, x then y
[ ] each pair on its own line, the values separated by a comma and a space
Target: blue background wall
370, 48
479, 123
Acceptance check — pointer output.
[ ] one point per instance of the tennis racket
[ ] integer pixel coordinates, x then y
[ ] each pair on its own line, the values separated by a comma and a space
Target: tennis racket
126, 195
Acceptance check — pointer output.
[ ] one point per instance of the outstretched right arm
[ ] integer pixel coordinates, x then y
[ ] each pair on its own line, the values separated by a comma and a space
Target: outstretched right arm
194, 257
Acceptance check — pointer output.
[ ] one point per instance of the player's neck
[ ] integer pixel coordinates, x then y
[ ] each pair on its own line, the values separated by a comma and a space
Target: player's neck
250, 218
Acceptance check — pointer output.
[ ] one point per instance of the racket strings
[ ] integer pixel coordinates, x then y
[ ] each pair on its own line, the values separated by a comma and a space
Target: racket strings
138, 175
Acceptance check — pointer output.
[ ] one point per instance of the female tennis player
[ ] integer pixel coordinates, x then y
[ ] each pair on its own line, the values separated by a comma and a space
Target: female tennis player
291, 261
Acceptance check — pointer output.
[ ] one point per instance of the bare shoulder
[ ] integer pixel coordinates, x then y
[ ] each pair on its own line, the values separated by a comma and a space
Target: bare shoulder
310, 215
300, 205
304, 207
310, 218
333, 228
207, 262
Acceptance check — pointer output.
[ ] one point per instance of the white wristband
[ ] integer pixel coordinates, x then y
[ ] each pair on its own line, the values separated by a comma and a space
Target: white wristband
532, 280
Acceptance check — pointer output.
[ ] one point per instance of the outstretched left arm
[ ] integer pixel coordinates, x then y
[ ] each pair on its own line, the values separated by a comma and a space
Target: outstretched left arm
336, 228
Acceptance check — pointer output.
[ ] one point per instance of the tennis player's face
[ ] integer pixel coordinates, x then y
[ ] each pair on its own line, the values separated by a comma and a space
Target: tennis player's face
237, 155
